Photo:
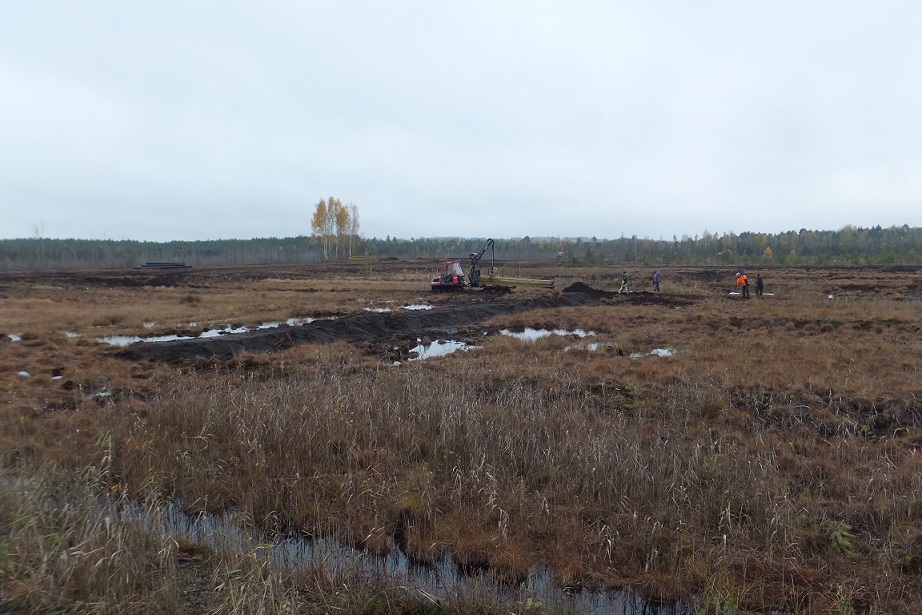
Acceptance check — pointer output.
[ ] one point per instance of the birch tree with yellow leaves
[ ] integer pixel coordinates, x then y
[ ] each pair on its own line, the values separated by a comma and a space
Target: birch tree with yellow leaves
336, 225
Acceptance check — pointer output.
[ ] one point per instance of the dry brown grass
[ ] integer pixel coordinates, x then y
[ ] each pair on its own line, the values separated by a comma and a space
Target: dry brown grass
66, 547
772, 462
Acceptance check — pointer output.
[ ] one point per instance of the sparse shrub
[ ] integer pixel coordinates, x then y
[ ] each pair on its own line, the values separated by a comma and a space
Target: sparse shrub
841, 538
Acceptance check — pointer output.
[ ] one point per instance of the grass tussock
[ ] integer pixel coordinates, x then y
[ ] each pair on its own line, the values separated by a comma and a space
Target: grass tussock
67, 547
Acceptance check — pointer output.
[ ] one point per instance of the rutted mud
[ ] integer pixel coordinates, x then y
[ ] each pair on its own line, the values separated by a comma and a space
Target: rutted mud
378, 328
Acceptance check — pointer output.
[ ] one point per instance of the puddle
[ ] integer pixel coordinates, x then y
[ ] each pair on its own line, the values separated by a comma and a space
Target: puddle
15, 337
734, 293
228, 330
291, 322
150, 324
830, 296
656, 352
531, 335
439, 348
23, 373
71, 334
590, 346
441, 580
411, 307
125, 340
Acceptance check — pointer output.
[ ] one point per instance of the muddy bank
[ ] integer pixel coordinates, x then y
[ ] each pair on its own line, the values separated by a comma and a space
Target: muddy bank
378, 328
357, 328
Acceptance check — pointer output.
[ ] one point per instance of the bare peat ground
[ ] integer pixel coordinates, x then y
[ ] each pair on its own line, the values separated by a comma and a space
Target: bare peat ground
382, 328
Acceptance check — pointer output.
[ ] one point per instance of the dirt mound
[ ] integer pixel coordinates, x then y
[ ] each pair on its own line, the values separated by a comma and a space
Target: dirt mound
580, 287
633, 298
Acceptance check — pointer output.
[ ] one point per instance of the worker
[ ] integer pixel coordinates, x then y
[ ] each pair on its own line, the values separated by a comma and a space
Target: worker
760, 285
623, 288
742, 282
656, 281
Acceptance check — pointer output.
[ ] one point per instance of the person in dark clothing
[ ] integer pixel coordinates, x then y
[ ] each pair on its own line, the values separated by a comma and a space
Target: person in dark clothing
656, 281
760, 285
623, 288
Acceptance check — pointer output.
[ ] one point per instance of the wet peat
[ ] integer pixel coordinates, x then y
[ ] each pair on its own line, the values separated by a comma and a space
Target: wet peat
377, 328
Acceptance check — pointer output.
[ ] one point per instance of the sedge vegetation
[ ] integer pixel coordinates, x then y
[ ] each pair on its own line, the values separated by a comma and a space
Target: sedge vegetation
771, 462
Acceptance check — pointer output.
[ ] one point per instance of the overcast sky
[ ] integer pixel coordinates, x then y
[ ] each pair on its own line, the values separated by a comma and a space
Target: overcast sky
232, 119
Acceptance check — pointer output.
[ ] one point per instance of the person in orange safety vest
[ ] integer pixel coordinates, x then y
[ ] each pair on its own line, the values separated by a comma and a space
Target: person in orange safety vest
743, 282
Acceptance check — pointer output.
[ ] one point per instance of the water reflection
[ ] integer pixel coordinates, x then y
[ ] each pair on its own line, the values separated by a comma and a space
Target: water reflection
590, 346
656, 352
228, 330
438, 348
125, 340
441, 580
530, 335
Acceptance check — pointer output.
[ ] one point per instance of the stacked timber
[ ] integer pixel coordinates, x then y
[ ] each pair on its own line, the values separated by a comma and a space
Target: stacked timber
162, 266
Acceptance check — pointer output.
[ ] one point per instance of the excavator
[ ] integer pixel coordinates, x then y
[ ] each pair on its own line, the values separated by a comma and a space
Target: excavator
452, 277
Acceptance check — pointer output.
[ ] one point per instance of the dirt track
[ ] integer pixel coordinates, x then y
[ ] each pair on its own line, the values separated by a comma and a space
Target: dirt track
376, 328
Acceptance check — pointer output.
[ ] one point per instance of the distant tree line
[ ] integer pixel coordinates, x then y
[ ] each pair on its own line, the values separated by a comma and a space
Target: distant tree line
848, 246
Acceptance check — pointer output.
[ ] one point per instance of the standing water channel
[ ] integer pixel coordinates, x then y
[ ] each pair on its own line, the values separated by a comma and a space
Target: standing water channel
439, 581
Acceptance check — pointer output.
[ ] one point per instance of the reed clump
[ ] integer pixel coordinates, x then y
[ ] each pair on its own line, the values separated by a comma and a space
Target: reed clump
68, 547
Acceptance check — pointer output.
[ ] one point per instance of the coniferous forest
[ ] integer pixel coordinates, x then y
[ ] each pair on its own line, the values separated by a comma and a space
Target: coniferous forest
847, 246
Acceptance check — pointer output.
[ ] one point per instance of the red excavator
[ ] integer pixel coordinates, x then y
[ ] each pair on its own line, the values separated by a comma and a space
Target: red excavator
452, 277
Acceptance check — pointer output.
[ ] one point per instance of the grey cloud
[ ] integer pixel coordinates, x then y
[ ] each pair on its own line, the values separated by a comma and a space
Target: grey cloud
508, 119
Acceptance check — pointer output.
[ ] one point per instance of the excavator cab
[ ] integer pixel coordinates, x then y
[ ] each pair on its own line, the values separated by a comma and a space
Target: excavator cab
451, 276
